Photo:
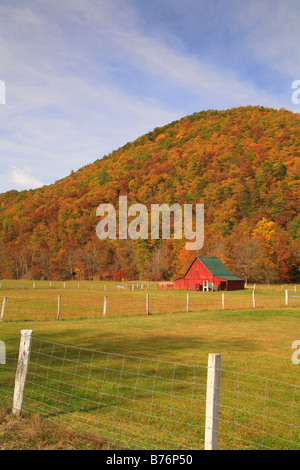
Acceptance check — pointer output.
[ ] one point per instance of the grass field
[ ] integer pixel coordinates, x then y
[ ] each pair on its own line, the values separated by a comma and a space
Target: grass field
258, 407
85, 299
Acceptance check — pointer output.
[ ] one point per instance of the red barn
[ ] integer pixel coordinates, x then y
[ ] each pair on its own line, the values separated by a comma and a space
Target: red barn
208, 273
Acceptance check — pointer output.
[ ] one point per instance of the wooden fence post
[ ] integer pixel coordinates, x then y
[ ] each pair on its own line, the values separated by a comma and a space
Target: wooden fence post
286, 298
3, 308
58, 307
212, 402
147, 304
22, 369
104, 305
253, 299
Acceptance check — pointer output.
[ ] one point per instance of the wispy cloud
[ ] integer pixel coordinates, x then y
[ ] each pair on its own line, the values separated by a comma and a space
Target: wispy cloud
23, 178
272, 33
84, 77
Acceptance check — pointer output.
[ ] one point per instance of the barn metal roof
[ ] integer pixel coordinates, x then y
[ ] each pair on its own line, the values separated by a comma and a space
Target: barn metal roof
217, 268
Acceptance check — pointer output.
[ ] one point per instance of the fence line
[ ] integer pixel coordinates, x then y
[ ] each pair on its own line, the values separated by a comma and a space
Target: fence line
144, 403
100, 286
39, 304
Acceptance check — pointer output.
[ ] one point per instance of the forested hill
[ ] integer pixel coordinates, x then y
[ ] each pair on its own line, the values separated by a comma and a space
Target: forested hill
243, 163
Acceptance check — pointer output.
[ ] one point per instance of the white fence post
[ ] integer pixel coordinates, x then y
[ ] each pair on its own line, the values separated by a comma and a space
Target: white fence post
22, 369
104, 305
3, 308
212, 402
147, 304
286, 298
253, 299
58, 306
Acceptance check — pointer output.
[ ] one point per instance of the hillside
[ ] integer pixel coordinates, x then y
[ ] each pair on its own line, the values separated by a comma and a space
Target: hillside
243, 163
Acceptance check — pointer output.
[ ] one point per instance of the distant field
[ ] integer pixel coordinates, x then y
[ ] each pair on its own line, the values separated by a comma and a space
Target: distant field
29, 300
255, 344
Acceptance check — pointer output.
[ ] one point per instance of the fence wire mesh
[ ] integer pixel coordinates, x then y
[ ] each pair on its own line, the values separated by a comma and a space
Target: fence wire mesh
131, 402
127, 401
258, 413
41, 303
8, 368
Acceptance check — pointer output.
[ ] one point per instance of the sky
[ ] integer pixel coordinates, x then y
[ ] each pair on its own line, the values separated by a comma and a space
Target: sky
81, 78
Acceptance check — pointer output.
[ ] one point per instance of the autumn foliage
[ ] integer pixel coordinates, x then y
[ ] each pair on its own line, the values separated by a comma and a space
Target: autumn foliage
243, 163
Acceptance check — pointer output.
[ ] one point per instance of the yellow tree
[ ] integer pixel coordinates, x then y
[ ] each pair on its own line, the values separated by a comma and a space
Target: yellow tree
267, 232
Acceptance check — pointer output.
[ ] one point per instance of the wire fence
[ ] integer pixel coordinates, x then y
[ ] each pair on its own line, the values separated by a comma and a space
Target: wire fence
142, 403
8, 368
100, 286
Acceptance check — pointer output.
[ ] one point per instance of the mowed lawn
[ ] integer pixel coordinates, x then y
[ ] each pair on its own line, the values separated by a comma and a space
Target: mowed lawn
253, 342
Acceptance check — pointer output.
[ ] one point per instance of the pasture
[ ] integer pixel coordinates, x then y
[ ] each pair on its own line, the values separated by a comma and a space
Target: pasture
38, 300
138, 380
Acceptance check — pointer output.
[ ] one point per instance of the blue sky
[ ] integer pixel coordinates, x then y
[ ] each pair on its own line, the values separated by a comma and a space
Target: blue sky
84, 77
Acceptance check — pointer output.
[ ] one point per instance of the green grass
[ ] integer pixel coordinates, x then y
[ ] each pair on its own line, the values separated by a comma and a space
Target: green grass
86, 301
254, 344
251, 340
